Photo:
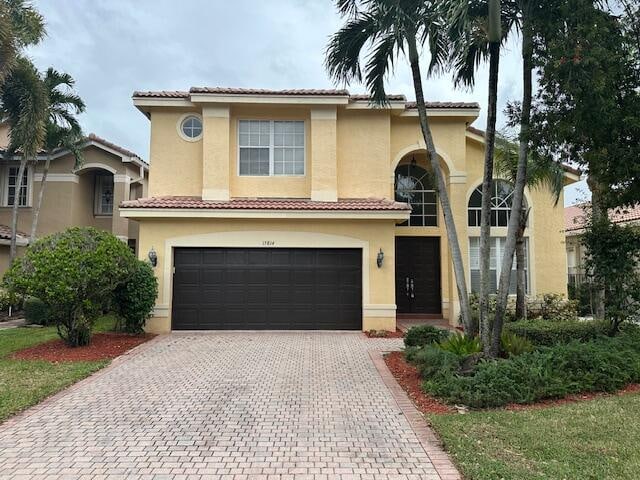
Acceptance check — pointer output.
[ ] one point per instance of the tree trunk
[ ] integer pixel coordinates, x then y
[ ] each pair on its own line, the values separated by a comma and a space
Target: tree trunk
36, 210
13, 249
487, 181
518, 193
598, 213
452, 236
521, 262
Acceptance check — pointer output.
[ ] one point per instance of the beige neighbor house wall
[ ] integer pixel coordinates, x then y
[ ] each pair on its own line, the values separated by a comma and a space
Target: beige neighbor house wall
351, 151
69, 197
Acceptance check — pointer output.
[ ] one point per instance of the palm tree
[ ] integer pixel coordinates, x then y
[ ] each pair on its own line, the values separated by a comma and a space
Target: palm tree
542, 172
24, 105
20, 25
62, 129
390, 28
477, 30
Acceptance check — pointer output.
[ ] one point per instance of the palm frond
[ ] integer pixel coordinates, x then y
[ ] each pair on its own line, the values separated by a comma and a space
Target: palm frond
379, 63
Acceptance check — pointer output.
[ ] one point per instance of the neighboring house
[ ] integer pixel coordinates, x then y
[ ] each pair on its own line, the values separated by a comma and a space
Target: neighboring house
88, 196
287, 210
574, 221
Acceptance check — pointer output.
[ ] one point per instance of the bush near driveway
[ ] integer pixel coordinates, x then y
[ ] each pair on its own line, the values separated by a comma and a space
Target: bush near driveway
605, 364
134, 299
74, 273
548, 332
421, 335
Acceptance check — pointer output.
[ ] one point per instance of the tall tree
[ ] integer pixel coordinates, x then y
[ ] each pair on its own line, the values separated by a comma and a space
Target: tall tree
476, 31
62, 128
24, 105
20, 25
588, 104
542, 173
382, 31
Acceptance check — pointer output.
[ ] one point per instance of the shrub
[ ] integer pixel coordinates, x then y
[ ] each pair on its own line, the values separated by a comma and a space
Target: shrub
421, 335
75, 273
514, 345
460, 344
9, 300
547, 332
549, 306
605, 364
36, 311
433, 361
134, 299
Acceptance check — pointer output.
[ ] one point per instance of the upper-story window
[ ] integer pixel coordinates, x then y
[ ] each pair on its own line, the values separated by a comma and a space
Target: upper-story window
414, 185
103, 204
11, 187
271, 147
501, 200
191, 127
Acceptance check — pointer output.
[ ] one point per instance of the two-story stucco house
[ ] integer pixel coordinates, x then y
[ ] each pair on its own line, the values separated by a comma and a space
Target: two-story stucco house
311, 209
87, 196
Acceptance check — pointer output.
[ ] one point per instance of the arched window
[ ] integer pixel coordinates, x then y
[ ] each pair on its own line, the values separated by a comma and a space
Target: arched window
414, 186
501, 200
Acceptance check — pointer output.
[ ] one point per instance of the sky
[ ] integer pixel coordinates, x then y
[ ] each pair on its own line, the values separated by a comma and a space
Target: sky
114, 47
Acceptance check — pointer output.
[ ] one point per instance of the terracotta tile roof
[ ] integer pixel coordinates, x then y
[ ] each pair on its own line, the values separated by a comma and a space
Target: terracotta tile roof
344, 204
263, 91
475, 130
574, 216
162, 94
390, 97
95, 138
411, 105
5, 233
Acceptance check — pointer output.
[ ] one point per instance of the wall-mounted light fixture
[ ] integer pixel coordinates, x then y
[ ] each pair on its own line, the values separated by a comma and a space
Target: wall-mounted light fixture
153, 257
380, 258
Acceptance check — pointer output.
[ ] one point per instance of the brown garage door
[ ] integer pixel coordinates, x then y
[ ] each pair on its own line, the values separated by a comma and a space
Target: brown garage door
267, 288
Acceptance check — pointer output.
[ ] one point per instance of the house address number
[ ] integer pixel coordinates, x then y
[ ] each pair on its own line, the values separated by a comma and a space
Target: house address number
268, 243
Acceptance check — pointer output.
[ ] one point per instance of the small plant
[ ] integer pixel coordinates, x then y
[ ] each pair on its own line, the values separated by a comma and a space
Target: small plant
9, 300
460, 344
134, 299
422, 335
514, 345
36, 311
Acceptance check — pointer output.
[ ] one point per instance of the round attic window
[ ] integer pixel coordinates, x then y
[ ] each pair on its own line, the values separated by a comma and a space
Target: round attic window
191, 127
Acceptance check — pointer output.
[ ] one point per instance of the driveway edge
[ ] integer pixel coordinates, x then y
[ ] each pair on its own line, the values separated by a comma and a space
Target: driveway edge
74, 386
441, 461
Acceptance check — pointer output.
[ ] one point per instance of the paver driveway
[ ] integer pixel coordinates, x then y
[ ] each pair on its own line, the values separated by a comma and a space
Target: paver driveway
225, 405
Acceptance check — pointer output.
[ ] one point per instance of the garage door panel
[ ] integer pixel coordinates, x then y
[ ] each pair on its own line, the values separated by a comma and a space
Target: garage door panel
228, 288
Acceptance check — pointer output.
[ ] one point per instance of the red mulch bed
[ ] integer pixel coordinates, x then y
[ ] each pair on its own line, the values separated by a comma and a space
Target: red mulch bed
409, 379
103, 346
387, 334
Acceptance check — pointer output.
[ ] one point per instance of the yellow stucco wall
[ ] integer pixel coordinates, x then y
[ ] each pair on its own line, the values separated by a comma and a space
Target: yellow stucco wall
355, 152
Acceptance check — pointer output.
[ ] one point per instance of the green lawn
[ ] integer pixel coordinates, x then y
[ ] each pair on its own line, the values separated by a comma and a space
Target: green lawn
597, 439
26, 382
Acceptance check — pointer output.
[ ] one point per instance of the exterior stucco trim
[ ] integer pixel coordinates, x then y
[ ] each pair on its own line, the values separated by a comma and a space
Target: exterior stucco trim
250, 213
379, 310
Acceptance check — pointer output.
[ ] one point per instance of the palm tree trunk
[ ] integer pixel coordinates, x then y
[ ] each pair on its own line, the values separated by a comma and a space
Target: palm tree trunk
452, 236
598, 213
36, 211
13, 249
485, 216
521, 261
518, 193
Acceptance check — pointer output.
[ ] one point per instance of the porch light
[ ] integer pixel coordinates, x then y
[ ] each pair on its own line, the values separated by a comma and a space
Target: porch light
380, 258
153, 257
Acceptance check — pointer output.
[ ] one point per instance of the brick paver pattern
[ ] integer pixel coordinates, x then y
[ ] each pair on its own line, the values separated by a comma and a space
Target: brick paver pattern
286, 405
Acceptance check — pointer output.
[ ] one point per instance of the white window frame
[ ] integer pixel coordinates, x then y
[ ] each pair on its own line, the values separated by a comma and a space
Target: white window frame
271, 148
498, 256
5, 186
97, 201
181, 121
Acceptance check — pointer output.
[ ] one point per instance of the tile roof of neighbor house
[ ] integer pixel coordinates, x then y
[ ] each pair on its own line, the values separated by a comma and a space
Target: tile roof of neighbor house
344, 204
293, 92
5, 233
574, 216
566, 168
95, 138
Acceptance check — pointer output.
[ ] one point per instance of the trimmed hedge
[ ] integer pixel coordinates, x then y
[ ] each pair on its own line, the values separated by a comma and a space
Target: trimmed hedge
603, 365
421, 335
36, 311
548, 332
